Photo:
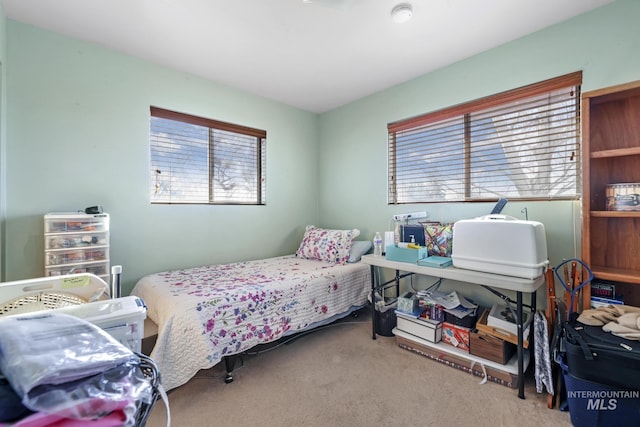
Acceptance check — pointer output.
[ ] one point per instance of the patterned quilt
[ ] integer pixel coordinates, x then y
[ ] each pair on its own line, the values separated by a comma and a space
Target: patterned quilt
206, 313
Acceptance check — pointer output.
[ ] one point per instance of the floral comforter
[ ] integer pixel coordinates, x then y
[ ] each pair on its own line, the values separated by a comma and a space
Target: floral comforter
206, 313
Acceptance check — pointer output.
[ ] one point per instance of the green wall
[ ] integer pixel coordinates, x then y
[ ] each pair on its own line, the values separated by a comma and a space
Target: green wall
3, 99
78, 131
77, 135
604, 44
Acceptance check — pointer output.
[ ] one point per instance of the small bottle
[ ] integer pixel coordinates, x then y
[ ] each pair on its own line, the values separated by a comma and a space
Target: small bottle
377, 244
413, 239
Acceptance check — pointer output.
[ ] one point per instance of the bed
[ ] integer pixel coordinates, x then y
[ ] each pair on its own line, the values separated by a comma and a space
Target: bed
206, 314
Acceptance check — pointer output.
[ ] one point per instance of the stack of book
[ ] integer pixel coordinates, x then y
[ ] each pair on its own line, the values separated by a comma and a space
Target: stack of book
435, 261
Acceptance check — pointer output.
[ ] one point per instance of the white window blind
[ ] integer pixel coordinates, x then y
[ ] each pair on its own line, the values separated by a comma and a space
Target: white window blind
203, 161
520, 144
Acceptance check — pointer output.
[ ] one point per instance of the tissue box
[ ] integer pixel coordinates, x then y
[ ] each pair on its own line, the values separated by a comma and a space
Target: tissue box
408, 303
395, 253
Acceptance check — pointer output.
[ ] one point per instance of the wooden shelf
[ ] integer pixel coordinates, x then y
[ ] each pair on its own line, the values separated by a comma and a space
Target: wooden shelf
615, 214
511, 366
610, 154
616, 274
618, 152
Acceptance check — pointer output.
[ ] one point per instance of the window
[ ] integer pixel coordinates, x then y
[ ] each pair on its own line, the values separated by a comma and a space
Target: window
202, 161
520, 144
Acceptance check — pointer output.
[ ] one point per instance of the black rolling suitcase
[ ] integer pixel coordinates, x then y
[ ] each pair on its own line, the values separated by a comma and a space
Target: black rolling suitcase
595, 355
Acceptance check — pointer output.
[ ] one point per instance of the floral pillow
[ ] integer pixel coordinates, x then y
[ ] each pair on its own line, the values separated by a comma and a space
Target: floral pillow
326, 245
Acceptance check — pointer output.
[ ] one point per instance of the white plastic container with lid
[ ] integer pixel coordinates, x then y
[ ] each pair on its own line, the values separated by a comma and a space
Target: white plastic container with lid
123, 318
500, 244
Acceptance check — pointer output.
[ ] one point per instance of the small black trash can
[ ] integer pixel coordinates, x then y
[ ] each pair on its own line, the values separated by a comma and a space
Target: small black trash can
385, 322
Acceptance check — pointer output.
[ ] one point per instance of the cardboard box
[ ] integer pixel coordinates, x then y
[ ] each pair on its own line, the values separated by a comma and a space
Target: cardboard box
490, 347
493, 374
432, 311
426, 329
395, 253
457, 336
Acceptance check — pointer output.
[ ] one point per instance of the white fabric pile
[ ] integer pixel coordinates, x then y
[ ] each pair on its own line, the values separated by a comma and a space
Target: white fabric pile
621, 320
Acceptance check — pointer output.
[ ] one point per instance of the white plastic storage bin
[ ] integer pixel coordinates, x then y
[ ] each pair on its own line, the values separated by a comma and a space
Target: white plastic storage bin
500, 244
76, 242
123, 318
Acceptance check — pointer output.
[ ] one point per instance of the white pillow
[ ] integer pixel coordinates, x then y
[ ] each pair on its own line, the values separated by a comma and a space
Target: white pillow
359, 248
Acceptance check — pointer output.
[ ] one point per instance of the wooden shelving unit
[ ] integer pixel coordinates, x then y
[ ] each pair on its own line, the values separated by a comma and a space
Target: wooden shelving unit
611, 155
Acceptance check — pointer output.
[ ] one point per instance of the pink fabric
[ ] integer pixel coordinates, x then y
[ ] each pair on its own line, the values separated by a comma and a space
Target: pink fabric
41, 419
116, 418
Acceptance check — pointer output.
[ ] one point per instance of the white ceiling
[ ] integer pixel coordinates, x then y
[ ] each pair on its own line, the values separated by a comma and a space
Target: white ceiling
314, 55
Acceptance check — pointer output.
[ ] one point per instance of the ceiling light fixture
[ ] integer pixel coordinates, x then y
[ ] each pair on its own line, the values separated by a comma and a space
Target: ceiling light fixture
402, 13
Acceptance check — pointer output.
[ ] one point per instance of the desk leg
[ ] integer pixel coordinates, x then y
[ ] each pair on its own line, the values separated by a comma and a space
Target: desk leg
520, 346
373, 303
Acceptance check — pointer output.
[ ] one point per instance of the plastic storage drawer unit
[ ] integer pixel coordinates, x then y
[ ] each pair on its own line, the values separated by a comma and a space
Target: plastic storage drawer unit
76, 243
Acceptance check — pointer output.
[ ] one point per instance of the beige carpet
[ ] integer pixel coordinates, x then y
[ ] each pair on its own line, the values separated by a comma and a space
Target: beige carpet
339, 376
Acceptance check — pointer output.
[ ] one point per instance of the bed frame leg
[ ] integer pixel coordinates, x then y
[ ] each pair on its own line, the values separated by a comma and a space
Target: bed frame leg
229, 363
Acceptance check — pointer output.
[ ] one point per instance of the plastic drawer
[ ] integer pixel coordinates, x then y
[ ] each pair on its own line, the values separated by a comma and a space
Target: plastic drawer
57, 257
66, 225
97, 268
64, 241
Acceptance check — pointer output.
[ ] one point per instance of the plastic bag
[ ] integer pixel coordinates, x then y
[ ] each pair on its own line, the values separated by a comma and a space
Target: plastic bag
62, 364
118, 388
